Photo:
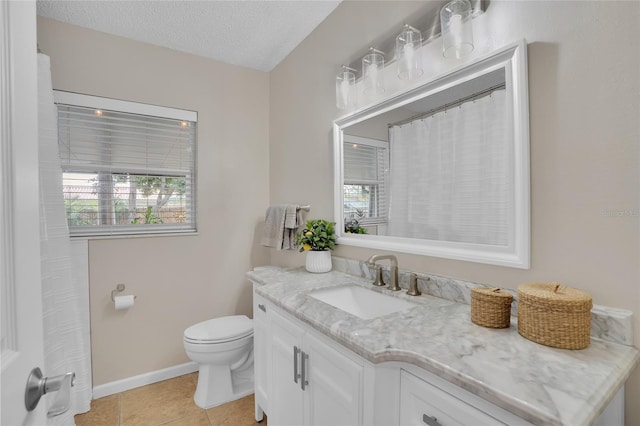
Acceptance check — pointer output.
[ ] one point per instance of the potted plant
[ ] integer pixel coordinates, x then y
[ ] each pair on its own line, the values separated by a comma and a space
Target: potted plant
353, 227
317, 238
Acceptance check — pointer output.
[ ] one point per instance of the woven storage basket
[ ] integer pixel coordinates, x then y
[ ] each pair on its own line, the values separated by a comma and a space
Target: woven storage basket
490, 307
554, 315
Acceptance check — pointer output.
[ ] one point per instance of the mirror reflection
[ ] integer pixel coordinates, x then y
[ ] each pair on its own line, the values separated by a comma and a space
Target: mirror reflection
437, 168
443, 170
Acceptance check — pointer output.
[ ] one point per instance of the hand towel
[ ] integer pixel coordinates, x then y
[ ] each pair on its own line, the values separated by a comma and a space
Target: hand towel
292, 221
273, 235
281, 226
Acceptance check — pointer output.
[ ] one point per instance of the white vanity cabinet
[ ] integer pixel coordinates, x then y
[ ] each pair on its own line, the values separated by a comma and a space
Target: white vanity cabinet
261, 337
313, 382
303, 377
317, 364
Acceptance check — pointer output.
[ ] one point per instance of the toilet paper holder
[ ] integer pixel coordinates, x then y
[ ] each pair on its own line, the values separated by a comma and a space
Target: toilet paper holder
119, 289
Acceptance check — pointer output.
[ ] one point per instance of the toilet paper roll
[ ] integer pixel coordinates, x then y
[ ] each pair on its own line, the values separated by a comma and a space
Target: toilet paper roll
124, 302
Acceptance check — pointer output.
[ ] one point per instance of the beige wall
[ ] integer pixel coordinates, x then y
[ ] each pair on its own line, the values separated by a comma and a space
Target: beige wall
584, 80
185, 279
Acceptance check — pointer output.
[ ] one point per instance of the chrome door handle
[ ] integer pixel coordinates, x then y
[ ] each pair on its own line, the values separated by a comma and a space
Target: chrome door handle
304, 382
38, 386
296, 375
431, 421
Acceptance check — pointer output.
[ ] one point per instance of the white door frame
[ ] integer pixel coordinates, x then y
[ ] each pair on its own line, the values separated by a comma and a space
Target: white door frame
21, 347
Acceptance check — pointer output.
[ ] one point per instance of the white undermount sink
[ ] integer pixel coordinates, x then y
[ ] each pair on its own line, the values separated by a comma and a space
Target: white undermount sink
358, 301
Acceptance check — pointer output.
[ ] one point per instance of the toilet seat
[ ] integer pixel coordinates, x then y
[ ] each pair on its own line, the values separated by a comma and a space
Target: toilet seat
219, 330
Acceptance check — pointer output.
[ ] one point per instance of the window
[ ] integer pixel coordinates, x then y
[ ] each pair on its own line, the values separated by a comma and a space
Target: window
366, 164
128, 168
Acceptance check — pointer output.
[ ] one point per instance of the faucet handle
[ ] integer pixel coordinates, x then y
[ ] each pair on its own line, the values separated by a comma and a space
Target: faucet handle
413, 285
379, 282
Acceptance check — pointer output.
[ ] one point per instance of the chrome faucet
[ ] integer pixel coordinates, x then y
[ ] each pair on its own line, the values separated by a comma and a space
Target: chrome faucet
393, 272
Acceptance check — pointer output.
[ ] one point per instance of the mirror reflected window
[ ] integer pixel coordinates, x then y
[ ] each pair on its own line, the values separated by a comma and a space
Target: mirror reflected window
366, 167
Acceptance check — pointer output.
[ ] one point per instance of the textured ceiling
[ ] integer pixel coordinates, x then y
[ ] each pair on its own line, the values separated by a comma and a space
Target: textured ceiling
256, 34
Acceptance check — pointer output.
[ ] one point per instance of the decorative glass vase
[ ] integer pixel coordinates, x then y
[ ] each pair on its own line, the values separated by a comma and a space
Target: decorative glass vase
318, 261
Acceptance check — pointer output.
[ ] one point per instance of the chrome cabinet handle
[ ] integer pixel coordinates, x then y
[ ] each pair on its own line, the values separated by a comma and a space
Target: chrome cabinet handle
431, 421
296, 375
262, 307
304, 382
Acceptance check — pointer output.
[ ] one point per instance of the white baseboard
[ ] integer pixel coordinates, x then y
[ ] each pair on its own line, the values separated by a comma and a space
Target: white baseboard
143, 379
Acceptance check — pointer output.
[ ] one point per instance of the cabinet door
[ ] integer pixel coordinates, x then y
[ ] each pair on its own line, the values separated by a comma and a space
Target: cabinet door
286, 399
335, 382
261, 355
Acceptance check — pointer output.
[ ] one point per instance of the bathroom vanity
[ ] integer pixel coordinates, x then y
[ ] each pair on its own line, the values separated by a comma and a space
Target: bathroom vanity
425, 363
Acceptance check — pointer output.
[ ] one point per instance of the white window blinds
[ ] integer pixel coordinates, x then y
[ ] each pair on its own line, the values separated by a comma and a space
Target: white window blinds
366, 163
126, 172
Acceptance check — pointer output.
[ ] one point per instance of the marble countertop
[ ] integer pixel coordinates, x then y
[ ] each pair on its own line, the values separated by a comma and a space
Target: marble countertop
542, 385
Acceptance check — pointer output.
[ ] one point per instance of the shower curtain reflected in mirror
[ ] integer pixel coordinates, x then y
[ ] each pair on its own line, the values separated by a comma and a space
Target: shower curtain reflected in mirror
461, 189
65, 301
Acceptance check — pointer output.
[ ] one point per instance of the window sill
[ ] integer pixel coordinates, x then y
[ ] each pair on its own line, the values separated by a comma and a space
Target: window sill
128, 236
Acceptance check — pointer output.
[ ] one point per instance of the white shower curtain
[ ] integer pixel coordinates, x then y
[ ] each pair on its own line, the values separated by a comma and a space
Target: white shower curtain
450, 177
65, 299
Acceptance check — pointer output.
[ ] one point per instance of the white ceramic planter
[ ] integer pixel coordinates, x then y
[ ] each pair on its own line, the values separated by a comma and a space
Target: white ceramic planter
318, 261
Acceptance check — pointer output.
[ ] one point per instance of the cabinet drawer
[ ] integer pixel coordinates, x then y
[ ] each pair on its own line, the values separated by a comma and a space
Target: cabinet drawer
419, 398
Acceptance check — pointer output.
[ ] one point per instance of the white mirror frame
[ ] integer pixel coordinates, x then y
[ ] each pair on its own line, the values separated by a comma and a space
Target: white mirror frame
513, 59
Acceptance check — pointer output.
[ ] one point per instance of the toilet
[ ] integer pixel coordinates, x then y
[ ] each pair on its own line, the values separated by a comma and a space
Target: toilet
223, 348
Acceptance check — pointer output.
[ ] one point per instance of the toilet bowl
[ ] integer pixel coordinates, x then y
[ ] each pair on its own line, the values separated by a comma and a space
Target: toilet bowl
223, 348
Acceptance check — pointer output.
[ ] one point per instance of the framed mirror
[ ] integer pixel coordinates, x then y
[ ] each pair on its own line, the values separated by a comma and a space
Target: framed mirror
441, 169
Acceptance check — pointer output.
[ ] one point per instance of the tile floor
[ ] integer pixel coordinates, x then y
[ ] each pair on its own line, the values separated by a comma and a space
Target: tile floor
167, 403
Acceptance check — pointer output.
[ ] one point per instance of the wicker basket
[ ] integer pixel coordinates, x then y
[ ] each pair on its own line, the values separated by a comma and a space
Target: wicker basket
490, 307
554, 315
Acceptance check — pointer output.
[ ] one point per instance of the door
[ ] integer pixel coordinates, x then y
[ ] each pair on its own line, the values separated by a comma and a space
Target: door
21, 345
286, 399
334, 394
331, 394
